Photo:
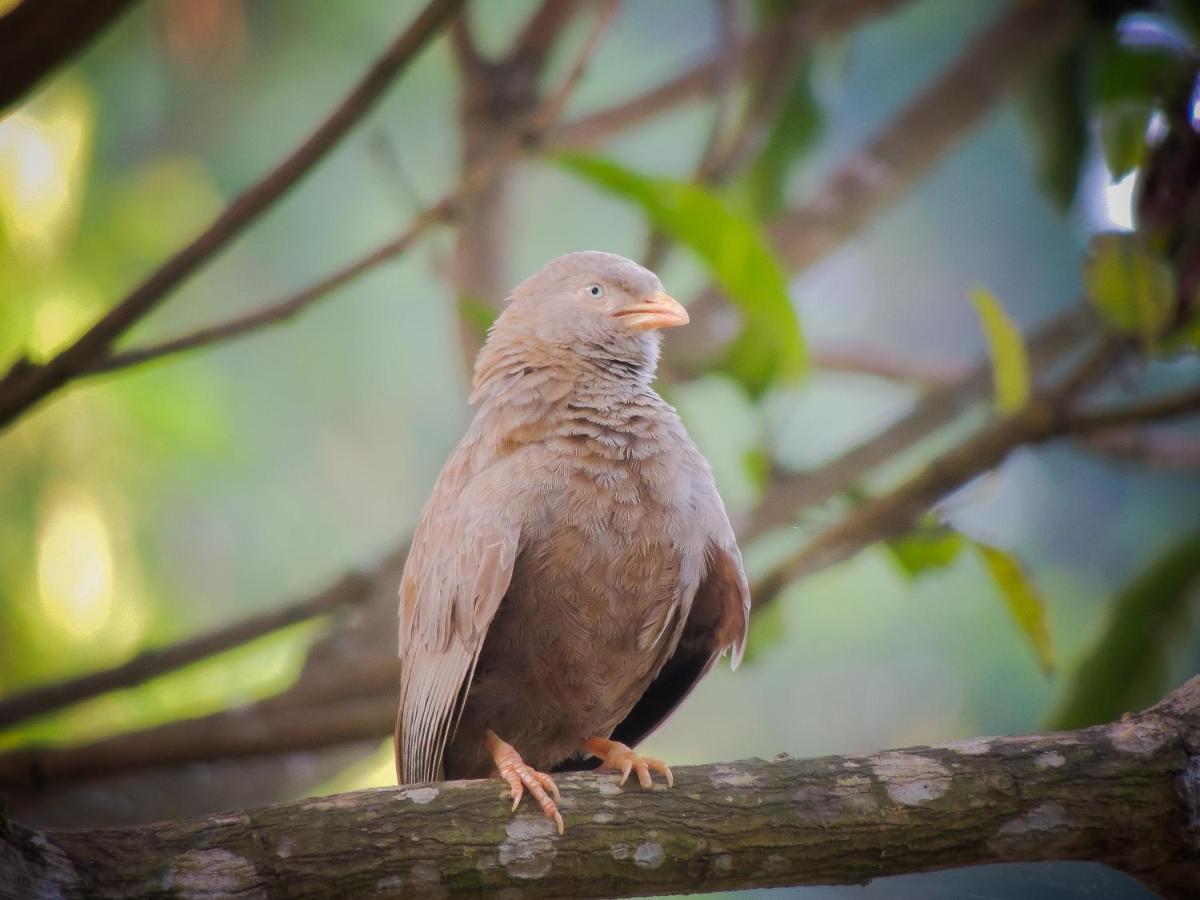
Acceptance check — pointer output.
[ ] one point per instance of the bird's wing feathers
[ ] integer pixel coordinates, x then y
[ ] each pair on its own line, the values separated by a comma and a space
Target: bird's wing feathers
457, 572
716, 622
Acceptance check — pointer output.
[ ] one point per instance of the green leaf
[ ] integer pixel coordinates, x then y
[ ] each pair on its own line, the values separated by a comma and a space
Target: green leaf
1141, 74
792, 136
477, 313
1010, 364
1132, 287
1055, 112
1124, 670
922, 551
737, 255
1022, 599
1123, 128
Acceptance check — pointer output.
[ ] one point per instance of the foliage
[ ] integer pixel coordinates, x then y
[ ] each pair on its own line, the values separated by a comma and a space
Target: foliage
1126, 668
737, 254
1006, 350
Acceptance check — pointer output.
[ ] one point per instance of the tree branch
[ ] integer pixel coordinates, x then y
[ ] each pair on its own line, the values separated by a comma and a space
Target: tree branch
894, 512
27, 383
904, 150
348, 591
791, 493
1022, 40
38, 37
280, 311
1156, 409
703, 80
1122, 794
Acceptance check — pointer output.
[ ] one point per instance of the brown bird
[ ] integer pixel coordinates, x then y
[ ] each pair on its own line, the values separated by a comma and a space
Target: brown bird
574, 573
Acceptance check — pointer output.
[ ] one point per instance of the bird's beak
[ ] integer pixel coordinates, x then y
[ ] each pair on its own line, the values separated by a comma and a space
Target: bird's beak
657, 311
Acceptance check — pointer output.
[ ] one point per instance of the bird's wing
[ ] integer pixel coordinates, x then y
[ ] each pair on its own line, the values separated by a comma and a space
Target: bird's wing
716, 622
457, 572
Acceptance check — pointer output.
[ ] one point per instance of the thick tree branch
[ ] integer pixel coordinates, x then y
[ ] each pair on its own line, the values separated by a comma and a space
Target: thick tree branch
1123, 794
38, 36
27, 383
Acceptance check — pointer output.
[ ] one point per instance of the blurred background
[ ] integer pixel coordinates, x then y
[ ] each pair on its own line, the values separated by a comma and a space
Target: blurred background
146, 506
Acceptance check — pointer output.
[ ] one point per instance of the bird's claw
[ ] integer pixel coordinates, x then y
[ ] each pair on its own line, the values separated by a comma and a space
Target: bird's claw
616, 756
521, 777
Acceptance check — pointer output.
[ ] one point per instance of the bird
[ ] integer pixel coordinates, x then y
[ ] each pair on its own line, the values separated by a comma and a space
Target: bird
574, 572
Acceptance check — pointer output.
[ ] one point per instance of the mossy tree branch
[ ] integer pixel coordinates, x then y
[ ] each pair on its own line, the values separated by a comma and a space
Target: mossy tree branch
1125, 794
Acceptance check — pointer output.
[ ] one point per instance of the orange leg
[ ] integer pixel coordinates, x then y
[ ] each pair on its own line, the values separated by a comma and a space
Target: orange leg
521, 776
620, 758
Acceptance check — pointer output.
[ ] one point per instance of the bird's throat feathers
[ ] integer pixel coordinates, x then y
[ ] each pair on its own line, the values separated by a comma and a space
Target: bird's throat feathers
519, 364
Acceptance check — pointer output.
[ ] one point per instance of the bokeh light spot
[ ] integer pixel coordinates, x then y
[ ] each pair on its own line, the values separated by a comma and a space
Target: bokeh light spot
75, 563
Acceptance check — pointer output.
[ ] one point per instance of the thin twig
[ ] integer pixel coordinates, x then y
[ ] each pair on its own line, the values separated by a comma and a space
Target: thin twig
26, 383
894, 512
833, 19
280, 311
1183, 402
347, 591
854, 359
1005, 54
1156, 448
789, 494
443, 211
543, 120
904, 150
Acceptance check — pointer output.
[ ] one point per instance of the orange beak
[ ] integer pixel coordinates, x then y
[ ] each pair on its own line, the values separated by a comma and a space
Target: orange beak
657, 311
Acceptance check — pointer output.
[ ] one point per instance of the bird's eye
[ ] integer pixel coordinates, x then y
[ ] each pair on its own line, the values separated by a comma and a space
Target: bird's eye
594, 290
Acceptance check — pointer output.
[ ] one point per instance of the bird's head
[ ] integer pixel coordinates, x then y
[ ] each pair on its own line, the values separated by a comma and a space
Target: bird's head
592, 305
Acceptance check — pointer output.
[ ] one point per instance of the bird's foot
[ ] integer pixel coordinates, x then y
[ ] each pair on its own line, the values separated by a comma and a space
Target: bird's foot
619, 758
521, 776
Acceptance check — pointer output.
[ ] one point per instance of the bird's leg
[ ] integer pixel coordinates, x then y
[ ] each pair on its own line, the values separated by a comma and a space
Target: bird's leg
617, 756
520, 776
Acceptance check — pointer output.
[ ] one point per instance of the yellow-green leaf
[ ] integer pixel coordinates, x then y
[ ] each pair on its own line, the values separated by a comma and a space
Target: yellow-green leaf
1010, 364
1131, 286
921, 551
737, 255
1022, 599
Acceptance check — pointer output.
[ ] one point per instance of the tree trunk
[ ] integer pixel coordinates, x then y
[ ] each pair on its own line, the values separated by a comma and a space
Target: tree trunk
1125, 794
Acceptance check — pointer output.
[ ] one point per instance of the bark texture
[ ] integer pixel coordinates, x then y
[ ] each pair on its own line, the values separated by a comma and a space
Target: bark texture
1126, 794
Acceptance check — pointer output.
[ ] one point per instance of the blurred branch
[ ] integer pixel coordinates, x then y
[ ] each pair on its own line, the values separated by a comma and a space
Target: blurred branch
894, 512
500, 116
444, 211
284, 310
1122, 794
729, 59
349, 590
1025, 37
38, 36
1183, 402
26, 383
853, 359
253, 730
532, 135
543, 29
788, 494
829, 19
1150, 447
